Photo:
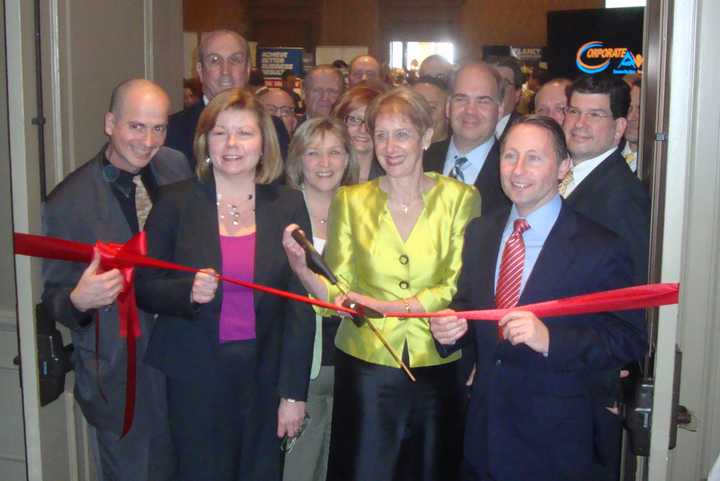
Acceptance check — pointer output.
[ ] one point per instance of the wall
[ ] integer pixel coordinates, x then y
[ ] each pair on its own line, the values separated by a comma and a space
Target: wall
7, 285
88, 46
698, 331
511, 22
12, 456
471, 23
78, 86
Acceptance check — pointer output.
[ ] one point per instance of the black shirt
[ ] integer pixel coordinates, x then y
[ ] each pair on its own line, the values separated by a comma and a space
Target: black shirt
123, 188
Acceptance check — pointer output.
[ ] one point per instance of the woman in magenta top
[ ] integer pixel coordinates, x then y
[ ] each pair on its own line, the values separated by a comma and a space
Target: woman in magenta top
237, 361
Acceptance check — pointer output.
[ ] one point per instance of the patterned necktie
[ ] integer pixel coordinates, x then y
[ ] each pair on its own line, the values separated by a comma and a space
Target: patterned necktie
631, 159
456, 172
507, 292
143, 204
567, 180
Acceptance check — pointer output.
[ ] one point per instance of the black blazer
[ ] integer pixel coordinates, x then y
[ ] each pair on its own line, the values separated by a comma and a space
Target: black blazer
513, 117
183, 228
83, 208
181, 132
523, 402
487, 182
614, 197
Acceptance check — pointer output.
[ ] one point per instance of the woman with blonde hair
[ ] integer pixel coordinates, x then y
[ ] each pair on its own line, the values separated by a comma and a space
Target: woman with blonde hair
237, 361
320, 160
396, 244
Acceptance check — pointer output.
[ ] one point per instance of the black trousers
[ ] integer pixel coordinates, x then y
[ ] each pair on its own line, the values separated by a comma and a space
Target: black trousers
387, 428
223, 424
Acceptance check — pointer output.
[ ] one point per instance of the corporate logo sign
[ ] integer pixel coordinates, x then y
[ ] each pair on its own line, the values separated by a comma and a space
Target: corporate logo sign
595, 57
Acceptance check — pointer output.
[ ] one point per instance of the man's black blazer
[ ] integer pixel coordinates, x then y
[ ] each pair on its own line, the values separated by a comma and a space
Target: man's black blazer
614, 197
513, 117
84, 208
183, 228
182, 125
487, 182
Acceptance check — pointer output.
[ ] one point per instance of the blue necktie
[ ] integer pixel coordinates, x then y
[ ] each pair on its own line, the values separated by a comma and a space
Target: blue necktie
456, 172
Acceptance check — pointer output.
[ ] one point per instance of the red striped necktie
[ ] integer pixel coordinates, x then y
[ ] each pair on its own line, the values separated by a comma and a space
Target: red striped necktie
507, 292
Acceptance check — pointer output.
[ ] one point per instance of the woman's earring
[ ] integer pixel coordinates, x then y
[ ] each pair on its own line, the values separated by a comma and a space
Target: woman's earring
207, 161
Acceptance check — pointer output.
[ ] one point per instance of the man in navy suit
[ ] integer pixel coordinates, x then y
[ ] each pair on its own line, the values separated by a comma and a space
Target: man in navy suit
531, 410
223, 63
603, 188
471, 153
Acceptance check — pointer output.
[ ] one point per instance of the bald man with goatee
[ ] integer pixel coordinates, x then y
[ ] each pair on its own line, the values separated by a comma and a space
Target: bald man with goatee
107, 199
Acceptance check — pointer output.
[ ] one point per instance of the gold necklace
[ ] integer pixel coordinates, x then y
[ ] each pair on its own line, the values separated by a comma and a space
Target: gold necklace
322, 220
405, 207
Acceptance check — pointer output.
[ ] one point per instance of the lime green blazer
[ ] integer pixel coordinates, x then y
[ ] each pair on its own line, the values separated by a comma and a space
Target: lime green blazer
365, 249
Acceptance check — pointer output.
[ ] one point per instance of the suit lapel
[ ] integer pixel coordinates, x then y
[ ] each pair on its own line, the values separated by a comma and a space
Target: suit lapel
203, 211
489, 175
489, 250
554, 261
111, 225
202, 216
596, 178
434, 158
264, 205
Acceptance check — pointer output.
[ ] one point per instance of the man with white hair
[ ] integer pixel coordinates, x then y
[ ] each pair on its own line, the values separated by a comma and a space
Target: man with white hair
279, 103
223, 63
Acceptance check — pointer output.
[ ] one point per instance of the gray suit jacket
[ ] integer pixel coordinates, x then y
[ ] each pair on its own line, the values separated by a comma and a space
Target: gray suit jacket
83, 208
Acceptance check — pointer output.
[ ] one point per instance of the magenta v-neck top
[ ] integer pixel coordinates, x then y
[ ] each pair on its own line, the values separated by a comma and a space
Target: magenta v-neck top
237, 314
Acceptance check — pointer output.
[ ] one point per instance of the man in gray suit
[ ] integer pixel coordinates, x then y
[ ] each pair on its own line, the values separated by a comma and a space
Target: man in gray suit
98, 202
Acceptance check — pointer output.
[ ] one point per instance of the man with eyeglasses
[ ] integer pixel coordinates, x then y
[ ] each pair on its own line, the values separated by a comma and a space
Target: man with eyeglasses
601, 186
437, 67
223, 63
322, 87
551, 99
363, 68
278, 102
472, 154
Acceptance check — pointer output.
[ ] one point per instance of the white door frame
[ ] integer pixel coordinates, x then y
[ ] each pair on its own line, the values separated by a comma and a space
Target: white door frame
691, 237
21, 83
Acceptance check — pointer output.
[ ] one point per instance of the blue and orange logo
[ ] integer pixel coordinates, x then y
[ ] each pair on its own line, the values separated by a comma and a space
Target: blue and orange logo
594, 57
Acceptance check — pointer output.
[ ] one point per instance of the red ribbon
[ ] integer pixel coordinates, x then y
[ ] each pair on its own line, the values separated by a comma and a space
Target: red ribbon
112, 256
127, 256
635, 297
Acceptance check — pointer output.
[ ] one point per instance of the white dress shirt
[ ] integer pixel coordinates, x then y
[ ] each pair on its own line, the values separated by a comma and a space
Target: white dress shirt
476, 159
584, 168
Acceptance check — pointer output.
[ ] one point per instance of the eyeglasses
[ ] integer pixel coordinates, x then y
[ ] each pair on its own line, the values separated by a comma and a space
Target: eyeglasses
354, 121
215, 61
547, 111
368, 74
287, 443
590, 115
283, 111
319, 92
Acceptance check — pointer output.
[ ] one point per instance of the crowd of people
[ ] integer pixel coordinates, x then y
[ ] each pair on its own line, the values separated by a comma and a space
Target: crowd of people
432, 197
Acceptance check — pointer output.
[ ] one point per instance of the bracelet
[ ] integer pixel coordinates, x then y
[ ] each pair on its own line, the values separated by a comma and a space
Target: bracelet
291, 401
